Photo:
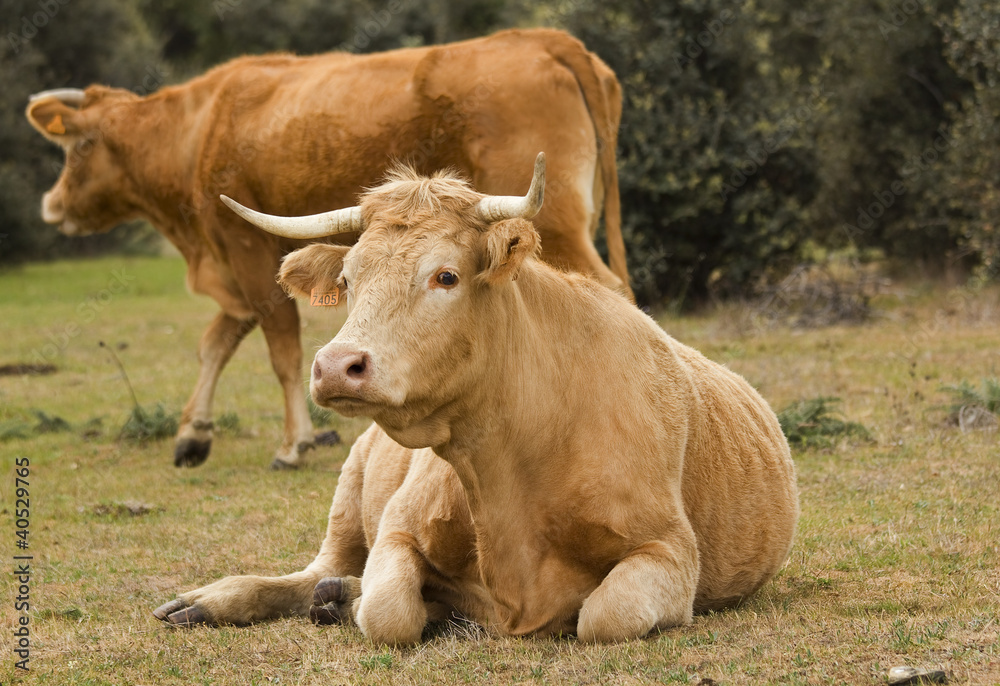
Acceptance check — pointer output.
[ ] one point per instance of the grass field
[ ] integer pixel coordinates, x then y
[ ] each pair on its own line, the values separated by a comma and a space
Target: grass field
896, 561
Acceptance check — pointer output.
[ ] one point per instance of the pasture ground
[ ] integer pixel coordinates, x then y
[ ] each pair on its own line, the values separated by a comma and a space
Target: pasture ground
897, 557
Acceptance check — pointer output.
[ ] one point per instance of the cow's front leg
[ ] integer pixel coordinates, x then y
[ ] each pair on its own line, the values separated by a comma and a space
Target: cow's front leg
281, 329
247, 599
218, 343
391, 609
242, 600
654, 586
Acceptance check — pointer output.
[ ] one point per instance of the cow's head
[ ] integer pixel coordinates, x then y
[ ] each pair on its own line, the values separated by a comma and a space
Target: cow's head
93, 190
432, 255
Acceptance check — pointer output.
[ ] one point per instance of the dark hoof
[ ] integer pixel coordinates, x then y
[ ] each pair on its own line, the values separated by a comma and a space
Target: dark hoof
191, 453
279, 465
189, 616
328, 590
327, 438
325, 614
168, 608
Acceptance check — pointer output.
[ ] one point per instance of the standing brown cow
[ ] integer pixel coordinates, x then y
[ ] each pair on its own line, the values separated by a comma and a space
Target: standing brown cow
545, 458
296, 135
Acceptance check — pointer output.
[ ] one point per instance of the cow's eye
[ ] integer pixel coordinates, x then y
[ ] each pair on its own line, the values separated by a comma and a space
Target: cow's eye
447, 278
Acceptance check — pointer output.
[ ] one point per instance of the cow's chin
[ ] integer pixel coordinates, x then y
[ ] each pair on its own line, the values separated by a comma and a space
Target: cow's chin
348, 407
71, 228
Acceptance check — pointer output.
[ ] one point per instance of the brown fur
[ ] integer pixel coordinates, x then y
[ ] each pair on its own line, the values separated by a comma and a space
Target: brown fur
294, 136
544, 459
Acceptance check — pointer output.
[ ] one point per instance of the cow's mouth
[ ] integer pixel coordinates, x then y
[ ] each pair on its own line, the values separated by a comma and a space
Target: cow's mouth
349, 406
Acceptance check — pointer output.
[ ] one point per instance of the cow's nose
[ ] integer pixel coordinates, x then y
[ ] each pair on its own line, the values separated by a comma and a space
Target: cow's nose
338, 374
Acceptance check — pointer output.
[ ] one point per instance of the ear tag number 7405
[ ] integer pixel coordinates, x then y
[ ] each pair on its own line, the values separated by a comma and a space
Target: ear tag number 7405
319, 298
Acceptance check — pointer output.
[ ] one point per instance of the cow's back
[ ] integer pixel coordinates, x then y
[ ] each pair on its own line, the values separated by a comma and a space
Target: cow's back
299, 135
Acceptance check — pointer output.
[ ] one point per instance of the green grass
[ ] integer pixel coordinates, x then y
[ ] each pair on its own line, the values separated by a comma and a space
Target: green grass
896, 559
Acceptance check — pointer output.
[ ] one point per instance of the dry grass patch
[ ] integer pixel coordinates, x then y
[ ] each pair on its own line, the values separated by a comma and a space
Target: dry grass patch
896, 559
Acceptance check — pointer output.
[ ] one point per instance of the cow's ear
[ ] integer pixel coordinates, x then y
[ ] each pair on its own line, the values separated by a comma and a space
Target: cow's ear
55, 120
317, 266
508, 244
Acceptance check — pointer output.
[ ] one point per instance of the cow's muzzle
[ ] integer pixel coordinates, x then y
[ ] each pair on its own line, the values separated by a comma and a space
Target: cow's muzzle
340, 374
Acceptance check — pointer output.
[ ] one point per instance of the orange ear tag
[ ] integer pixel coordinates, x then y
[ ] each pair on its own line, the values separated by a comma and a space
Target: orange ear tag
318, 298
56, 125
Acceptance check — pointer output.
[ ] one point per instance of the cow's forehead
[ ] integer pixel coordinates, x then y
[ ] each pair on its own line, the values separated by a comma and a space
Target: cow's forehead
405, 249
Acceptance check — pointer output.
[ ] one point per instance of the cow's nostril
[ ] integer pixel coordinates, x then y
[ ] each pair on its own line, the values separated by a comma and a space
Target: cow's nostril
317, 371
356, 369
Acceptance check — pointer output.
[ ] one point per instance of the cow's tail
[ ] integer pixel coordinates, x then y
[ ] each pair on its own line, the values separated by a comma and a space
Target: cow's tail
603, 96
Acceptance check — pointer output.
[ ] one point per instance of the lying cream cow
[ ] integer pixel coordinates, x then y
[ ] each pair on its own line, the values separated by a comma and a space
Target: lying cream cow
544, 457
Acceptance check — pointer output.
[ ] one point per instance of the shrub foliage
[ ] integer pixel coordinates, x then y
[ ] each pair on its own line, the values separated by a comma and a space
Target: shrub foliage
755, 136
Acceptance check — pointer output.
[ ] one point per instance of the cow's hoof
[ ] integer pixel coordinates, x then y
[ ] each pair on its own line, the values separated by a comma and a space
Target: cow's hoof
166, 609
328, 590
333, 598
176, 614
327, 438
190, 453
323, 615
279, 465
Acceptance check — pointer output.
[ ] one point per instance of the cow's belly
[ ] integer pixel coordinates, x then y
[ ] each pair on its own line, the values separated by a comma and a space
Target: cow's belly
206, 276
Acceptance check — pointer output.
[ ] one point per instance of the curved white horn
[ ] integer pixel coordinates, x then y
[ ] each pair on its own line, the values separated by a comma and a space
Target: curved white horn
68, 96
320, 225
493, 208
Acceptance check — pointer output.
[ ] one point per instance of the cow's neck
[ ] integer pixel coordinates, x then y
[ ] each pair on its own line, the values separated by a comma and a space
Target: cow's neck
513, 442
163, 145
540, 339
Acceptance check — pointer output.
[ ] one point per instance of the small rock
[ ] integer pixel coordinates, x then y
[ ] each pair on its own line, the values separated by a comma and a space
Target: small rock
916, 675
133, 508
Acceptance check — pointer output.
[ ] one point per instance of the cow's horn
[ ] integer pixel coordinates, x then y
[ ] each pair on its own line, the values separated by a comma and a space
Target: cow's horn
303, 228
493, 208
68, 96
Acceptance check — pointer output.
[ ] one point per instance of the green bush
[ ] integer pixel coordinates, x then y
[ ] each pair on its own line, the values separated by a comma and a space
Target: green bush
755, 136
814, 423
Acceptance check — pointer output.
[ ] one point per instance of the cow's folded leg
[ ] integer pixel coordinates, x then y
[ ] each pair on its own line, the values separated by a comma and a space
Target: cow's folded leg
218, 343
391, 609
242, 600
246, 599
653, 587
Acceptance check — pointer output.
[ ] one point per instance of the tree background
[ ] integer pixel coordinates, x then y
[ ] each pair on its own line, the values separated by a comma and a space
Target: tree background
756, 135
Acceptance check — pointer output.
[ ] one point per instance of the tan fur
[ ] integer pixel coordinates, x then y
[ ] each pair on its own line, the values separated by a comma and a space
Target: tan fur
294, 136
567, 465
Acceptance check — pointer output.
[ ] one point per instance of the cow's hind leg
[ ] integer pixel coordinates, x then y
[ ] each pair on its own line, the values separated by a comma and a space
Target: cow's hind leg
218, 343
653, 587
